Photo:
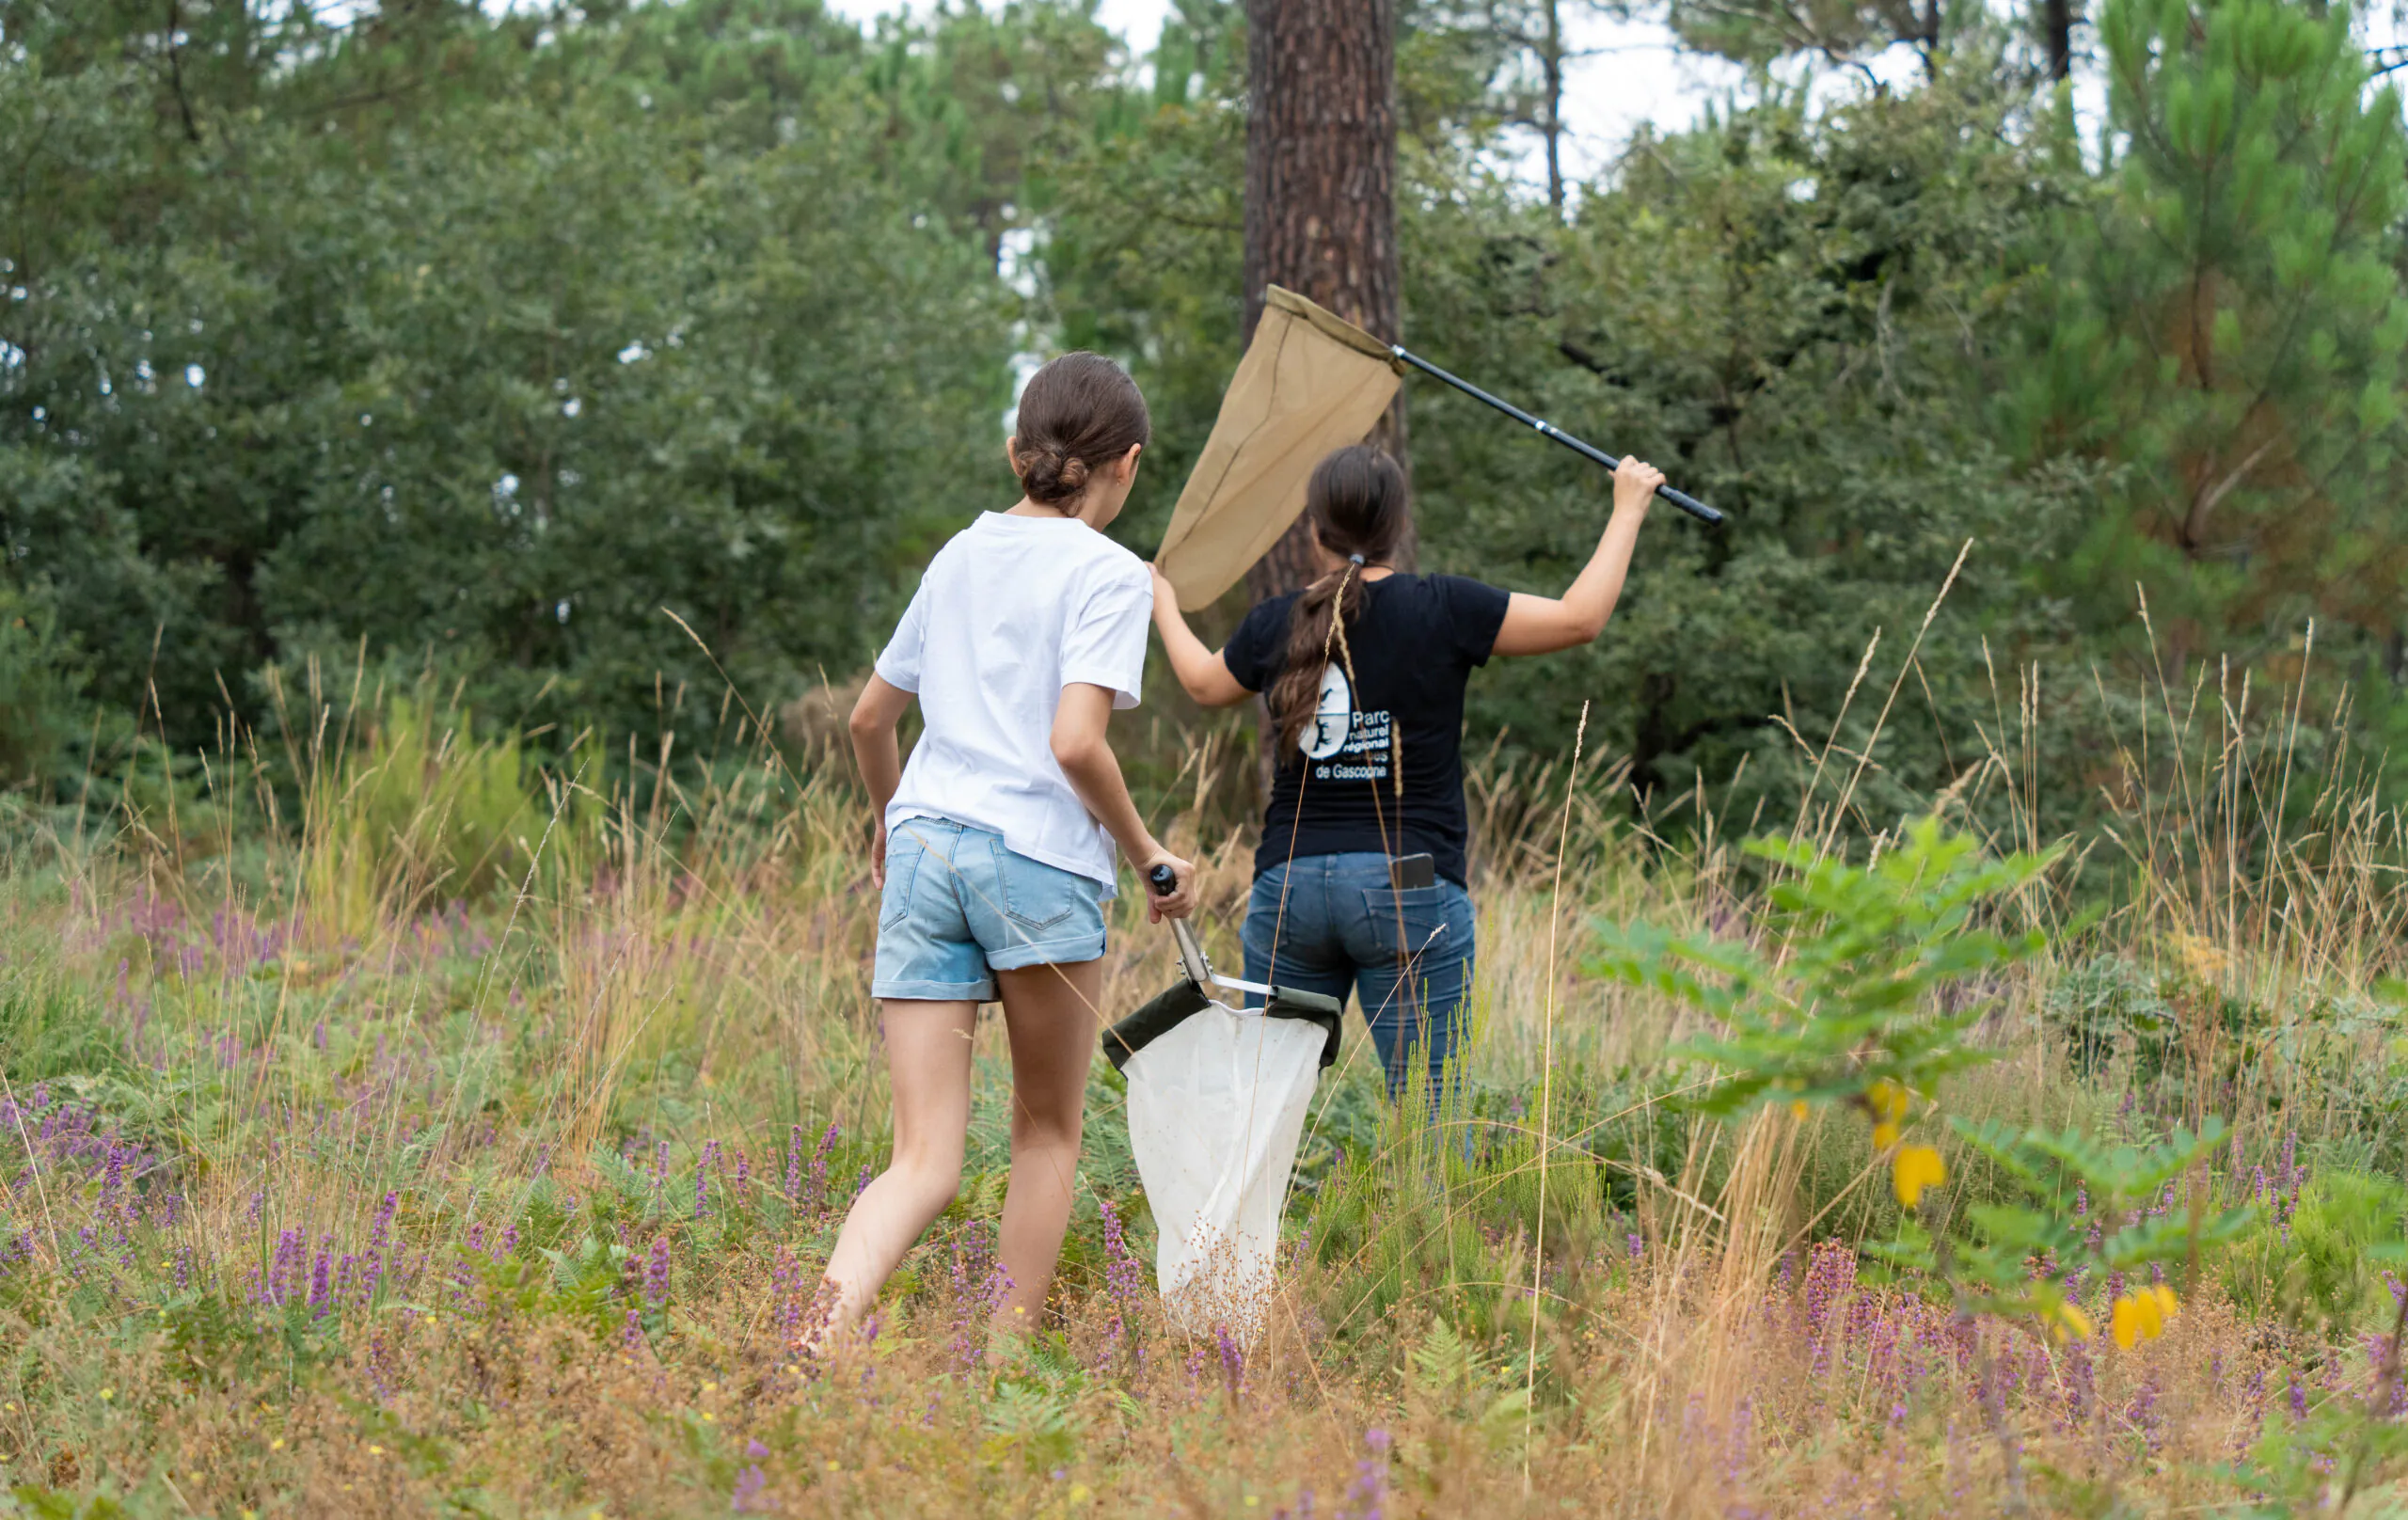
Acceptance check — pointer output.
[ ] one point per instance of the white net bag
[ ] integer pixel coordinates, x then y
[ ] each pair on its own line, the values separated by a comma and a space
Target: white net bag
1217, 1102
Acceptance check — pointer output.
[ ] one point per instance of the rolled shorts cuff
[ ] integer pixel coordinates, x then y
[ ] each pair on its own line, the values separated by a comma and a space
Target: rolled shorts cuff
926, 991
1066, 950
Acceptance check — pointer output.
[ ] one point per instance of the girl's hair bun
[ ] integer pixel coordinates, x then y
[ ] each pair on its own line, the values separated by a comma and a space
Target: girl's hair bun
1082, 407
1046, 476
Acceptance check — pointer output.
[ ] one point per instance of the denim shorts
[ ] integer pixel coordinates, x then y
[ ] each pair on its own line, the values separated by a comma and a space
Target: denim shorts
959, 906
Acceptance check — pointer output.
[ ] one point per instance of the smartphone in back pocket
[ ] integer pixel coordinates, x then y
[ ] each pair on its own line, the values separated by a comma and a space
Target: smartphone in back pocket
1406, 872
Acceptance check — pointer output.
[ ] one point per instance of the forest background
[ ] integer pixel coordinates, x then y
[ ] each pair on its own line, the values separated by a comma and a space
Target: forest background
471, 346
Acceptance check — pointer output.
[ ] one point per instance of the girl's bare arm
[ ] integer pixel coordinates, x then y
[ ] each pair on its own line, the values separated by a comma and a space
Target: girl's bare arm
1085, 754
1201, 671
1541, 625
880, 755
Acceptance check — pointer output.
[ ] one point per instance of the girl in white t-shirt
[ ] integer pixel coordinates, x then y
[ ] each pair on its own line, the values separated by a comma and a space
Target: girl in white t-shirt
994, 846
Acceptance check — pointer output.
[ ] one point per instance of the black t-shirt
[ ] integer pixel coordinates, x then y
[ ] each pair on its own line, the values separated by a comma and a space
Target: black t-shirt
1381, 768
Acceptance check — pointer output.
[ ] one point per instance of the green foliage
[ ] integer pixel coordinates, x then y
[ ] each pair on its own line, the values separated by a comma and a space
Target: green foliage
1851, 1004
2228, 329
2348, 1446
1796, 317
428, 801
2317, 1263
499, 374
44, 717
586, 1283
1848, 993
2107, 1008
2086, 1211
494, 338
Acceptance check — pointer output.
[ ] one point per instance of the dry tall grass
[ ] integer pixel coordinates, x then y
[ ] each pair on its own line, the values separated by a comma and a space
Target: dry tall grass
328, 1196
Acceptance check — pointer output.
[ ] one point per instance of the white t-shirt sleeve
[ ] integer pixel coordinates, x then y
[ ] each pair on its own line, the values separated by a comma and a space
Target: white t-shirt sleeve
899, 663
1105, 640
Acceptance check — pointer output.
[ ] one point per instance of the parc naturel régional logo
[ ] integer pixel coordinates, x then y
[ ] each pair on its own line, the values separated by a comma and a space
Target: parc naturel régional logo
1358, 740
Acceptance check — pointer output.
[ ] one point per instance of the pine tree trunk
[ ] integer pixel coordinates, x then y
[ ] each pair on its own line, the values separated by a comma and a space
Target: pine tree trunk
1551, 67
2057, 20
1320, 191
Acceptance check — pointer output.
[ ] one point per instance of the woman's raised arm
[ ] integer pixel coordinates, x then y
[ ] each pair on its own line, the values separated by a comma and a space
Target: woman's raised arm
1543, 624
1201, 671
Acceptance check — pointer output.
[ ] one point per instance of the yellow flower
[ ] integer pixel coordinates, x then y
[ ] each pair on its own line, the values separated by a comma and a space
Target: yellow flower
1798, 1108
1885, 1134
1915, 1168
277, 1445
107, 1394
710, 1387
2167, 1304
1888, 1098
2068, 1323
375, 1450
2139, 1317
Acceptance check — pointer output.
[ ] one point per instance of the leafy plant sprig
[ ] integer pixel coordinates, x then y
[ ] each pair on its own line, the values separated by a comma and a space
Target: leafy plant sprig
1860, 1000
1853, 1003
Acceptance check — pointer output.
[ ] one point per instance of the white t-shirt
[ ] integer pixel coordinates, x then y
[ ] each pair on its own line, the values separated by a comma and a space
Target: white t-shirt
1011, 610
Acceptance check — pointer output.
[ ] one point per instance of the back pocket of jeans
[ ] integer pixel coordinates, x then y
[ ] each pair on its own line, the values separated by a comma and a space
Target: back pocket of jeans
1412, 922
904, 852
1036, 896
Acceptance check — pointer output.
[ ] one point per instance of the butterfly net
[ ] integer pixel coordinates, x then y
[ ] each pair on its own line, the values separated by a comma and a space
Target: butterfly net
1217, 1102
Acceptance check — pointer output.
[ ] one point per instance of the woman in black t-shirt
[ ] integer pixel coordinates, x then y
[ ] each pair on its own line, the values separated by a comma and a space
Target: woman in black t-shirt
1359, 878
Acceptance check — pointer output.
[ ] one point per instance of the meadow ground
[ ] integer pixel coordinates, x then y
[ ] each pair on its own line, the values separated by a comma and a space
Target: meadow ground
380, 1136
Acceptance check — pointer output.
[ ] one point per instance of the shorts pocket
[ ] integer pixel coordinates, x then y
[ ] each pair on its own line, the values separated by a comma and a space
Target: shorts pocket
1417, 921
1036, 896
904, 853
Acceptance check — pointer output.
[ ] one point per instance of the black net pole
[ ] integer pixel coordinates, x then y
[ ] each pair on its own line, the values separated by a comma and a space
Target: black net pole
1686, 502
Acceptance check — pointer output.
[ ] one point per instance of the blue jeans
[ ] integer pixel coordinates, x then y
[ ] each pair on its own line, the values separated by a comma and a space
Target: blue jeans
1406, 955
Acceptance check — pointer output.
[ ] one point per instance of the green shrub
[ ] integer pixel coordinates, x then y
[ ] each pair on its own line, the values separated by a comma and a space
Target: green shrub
432, 806
43, 714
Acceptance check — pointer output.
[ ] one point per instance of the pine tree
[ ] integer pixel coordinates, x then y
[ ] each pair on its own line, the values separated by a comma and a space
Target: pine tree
2229, 326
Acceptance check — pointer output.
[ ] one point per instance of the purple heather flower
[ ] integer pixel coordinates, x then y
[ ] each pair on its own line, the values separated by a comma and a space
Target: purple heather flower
1233, 1360
321, 1290
703, 1178
750, 1484
655, 1277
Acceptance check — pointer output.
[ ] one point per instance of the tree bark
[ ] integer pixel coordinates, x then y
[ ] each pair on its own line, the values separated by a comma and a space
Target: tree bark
2057, 20
1320, 193
1551, 69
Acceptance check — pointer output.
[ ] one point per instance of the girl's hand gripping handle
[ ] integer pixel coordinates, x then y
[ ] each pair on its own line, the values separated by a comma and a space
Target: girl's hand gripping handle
1172, 887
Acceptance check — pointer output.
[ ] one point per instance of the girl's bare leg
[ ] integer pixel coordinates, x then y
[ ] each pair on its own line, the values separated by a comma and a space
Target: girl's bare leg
928, 1060
1053, 1015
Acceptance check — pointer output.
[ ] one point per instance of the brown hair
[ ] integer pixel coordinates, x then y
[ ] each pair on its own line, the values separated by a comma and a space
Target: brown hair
1076, 414
1356, 504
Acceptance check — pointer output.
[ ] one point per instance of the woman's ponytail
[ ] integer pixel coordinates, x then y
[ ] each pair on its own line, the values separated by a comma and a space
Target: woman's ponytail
1356, 504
